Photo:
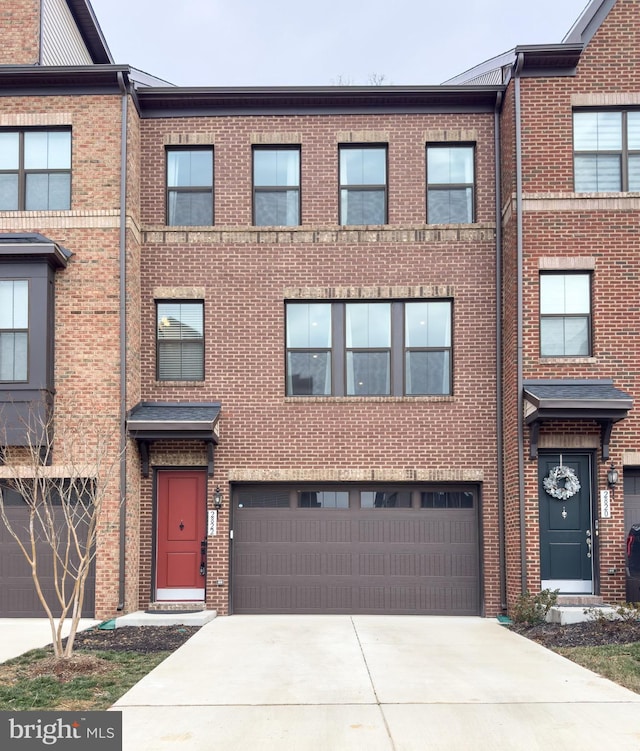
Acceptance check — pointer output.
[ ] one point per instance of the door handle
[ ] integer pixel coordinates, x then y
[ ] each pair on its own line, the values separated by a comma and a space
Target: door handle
589, 543
203, 557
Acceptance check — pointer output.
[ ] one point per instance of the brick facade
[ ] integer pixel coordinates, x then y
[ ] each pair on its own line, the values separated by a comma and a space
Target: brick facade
246, 274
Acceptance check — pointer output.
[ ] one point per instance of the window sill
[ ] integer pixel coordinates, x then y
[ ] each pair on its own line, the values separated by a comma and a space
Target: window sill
181, 384
367, 399
588, 359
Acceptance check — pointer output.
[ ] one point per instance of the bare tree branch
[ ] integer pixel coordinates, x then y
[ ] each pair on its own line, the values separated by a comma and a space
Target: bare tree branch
67, 505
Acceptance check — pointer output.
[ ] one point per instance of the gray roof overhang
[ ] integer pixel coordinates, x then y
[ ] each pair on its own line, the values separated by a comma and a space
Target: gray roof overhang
175, 101
32, 247
581, 399
541, 60
148, 422
47, 80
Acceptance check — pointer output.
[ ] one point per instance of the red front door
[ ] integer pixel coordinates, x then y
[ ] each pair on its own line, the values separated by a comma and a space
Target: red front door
181, 531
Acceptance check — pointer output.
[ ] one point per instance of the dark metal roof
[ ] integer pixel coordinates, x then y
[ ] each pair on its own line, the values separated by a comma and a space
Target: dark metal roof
582, 399
31, 246
171, 417
90, 30
59, 79
177, 101
576, 394
148, 422
549, 59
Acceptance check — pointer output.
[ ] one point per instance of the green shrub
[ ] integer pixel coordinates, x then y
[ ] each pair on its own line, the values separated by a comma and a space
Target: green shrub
533, 609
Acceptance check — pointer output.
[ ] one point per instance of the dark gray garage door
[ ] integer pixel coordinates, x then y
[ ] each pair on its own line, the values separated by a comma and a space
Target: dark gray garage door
18, 597
355, 550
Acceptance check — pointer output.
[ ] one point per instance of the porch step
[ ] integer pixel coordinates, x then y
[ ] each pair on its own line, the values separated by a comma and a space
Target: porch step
176, 607
171, 618
565, 615
586, 601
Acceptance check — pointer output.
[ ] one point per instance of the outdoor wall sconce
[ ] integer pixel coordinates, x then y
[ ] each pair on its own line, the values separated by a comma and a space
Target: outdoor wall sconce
217, 497
612, 476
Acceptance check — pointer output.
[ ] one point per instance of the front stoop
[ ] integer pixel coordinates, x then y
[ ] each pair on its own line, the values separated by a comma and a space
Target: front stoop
566, 614
171, 614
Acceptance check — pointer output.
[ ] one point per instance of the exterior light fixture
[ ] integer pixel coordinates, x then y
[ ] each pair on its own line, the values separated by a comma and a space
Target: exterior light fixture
217, 497
612, 476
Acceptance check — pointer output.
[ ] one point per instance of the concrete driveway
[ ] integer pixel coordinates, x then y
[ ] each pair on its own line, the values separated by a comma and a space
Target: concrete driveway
19, 635
374, 683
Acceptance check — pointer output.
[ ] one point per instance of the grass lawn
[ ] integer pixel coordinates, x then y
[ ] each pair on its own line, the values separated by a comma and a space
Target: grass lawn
617, 662
89, 681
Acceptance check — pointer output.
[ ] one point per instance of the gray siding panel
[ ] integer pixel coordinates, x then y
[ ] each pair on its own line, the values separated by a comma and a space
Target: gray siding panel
62, 42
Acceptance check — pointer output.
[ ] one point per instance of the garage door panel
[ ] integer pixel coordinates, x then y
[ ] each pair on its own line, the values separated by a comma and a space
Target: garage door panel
356, 560
18, 597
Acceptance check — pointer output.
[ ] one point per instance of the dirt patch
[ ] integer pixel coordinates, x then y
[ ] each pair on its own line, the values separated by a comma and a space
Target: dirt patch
67, 670
588, 634
142, 639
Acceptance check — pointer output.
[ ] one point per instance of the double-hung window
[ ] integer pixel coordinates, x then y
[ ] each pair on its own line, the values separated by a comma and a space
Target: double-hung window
606, 151
565, 315
386, 348
190, 187
35, 170
180, 341
363, 185
276, 186
450, 184
14, 330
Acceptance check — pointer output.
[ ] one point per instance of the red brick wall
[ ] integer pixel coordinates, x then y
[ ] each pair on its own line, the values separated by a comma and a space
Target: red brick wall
87, 347
232, 141
20, 31
245, 277
566, 229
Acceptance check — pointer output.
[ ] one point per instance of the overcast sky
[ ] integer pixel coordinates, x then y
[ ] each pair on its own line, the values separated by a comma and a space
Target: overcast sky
298, 43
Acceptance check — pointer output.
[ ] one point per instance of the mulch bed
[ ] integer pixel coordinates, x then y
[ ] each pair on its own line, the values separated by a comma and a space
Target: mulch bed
588, 634
143, 639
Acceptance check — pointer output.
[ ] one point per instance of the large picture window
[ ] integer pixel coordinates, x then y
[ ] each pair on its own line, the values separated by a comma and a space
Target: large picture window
35, 170
276, 186
14, 330
450, 184
389, 348
180, 341
190, 187
606, 151
363, 185
565, 315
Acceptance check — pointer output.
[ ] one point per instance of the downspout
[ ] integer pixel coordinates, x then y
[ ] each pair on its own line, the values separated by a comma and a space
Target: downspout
499, 390
41, 33
123, 340
519, 251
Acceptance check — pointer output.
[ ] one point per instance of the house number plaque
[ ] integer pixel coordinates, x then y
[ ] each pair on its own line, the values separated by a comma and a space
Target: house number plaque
605, 504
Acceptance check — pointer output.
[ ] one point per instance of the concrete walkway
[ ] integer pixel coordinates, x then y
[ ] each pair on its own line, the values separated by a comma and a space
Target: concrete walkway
372, 683
19, 635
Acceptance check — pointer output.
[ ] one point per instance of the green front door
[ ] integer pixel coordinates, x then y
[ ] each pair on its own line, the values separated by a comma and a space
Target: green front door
566, 534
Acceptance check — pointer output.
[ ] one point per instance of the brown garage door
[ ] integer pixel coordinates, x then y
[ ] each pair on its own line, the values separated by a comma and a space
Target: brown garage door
18, 598
355, 550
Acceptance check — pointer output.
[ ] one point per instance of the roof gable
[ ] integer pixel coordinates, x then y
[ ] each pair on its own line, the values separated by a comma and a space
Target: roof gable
589, 22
